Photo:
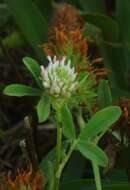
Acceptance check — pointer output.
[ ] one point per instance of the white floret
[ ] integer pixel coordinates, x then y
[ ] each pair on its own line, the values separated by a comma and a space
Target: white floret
59, 78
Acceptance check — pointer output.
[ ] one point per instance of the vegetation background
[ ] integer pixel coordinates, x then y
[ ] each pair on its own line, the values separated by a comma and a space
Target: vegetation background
24, 26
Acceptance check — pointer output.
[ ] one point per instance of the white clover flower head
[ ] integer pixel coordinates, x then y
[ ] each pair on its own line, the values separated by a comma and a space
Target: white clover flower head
59, 78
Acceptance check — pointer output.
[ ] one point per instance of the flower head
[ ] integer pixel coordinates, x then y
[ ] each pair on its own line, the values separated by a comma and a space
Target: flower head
59, 79
24, 179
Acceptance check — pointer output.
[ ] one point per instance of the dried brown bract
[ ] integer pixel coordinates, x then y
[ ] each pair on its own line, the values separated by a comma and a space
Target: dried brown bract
24, 179
66, 19
66, 38
66, 33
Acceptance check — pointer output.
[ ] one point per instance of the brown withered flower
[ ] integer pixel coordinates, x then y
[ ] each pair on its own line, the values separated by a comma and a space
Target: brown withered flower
66, 38
66, 19
24, 179
38, 183
123, 125
98, 68
66, 35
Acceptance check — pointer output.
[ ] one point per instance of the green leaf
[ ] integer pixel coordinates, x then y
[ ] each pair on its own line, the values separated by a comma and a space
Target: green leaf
43, 109
20, 90
123, 18
89, 184
109, 27
51, 155
50, 175
100, 122
104, 94
71, 171
47, 8
92, 152
113, 53
91, 31
93, 6
4, 14
78, 184
14, 40
117, 174
31, 22
67, 120
34, 69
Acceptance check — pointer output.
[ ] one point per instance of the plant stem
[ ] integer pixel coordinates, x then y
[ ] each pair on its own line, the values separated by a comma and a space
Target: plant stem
65, 160
58, 151
58, 146
97, 176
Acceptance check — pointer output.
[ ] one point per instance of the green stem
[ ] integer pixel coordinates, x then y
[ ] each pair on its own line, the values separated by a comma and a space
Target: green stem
58, 146
97, 176
65, 160
58, 151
